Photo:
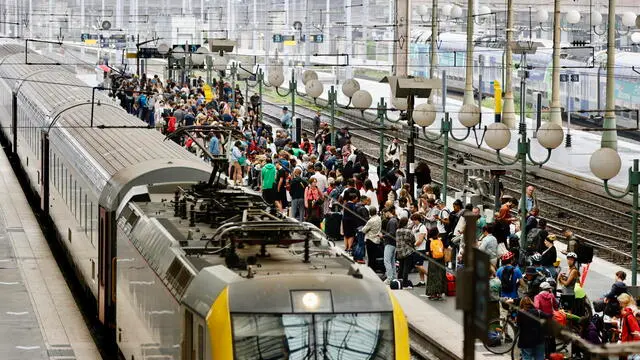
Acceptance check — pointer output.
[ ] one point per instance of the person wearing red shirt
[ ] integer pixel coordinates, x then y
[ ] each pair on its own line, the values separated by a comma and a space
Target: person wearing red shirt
630, 329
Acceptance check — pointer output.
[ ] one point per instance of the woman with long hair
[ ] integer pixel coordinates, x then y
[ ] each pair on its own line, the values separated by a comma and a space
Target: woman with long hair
313, 200
531, 339
436, 273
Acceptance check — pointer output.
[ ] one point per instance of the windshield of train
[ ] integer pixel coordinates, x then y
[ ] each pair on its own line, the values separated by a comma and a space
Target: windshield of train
353, 336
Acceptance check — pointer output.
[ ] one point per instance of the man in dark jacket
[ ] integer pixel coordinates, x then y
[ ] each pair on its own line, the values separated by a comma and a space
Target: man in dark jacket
297, 187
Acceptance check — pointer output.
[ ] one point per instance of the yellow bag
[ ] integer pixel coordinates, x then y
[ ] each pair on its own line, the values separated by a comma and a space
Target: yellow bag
579, 291
437, 249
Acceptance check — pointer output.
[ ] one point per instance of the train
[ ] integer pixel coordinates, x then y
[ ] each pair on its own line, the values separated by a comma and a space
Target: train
178, 264
582, 97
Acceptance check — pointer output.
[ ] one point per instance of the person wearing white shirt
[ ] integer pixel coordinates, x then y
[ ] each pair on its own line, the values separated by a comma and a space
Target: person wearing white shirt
322, 180
393, 151
420, 234
368, 191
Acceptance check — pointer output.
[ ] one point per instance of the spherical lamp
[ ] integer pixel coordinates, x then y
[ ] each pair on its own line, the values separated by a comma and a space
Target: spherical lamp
497, 136
596, 18
469, 115
484, 10
399, 103
456, 11
550, 135
220, 63
199, 56
309, 75
635, 38
350, 87
163, 48
446, 9
276, 78
424, 114
314, 88
542, 15
605, 163
573, 17
629, 19
361, 99
178, 52
422, 10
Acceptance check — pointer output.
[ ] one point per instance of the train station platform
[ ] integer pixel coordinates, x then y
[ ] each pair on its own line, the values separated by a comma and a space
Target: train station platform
39, 318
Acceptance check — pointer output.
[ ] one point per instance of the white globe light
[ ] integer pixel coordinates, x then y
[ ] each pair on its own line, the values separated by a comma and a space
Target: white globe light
424, 114
542, 15
362, 99
350, 87
456, 11
629, 19
605, 163
199, 56
573, 17
163, 48
497, 136
484, 10
422, 10
399, 103
446, 9
178, 52
635, 38
469, 115
550, 135
220, 62
276, 78
596, 18
309, 75
314, 88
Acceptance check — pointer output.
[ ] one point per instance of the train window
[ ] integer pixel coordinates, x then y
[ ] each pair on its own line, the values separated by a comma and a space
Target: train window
74, 198
91, 219
321, 336
200, 342
71, 190
187, 346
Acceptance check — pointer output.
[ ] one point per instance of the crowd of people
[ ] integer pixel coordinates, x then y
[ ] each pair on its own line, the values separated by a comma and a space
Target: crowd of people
325, 181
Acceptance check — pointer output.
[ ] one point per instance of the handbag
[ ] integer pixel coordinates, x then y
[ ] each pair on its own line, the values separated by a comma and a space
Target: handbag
502, 249
448, 255
242, 160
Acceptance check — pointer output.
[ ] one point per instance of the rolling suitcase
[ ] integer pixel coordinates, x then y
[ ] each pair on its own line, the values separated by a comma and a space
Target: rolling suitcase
451, 284
332, 223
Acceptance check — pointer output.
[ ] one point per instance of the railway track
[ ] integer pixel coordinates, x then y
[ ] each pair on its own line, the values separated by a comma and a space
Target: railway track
571, 203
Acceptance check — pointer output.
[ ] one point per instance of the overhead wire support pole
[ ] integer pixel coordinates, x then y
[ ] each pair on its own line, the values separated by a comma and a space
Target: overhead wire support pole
610, 138
556, 115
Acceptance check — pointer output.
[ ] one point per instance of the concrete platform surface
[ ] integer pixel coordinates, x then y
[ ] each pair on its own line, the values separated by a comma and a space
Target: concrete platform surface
39, 318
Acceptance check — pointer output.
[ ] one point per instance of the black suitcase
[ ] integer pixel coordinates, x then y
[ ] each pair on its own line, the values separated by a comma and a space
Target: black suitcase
332, 222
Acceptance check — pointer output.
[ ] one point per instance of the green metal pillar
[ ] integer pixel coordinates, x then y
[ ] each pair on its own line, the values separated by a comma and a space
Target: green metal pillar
382, 109
260, 81
634, 180
446, 127
293, 87
333, 98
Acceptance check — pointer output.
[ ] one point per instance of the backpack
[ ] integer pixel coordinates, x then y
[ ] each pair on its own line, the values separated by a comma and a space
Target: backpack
437, 249
453, 221
506, 278
598, 322
533, 239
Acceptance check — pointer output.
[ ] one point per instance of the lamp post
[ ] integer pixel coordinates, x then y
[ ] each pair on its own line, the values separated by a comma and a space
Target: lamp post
425, 116
556, 116
498, 136
605, 163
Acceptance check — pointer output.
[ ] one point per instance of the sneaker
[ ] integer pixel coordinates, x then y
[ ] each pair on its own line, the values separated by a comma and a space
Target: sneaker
387, 281
420, 284
407, 287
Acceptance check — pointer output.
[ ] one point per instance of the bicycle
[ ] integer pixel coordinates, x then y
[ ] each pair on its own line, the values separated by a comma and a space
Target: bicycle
503, 333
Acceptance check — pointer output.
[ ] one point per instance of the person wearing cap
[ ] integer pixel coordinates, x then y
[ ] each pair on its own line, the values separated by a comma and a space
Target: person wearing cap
285, 120
532, 280
549, 255
569, 280
393, 151
545, 301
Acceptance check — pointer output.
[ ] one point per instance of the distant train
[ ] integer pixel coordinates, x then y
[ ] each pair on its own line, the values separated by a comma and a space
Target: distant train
586, 94
180, 269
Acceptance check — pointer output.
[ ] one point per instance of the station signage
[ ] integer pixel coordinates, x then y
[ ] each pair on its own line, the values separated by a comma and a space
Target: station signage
279, 38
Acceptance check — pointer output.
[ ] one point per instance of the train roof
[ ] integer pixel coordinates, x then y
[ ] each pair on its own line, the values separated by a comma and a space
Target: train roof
117, 153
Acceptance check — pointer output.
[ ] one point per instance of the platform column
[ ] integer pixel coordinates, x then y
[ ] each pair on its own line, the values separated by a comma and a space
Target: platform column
402, 38
610, 137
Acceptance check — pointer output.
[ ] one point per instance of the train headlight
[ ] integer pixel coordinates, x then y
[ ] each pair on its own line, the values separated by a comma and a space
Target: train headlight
605, 163
311, 301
